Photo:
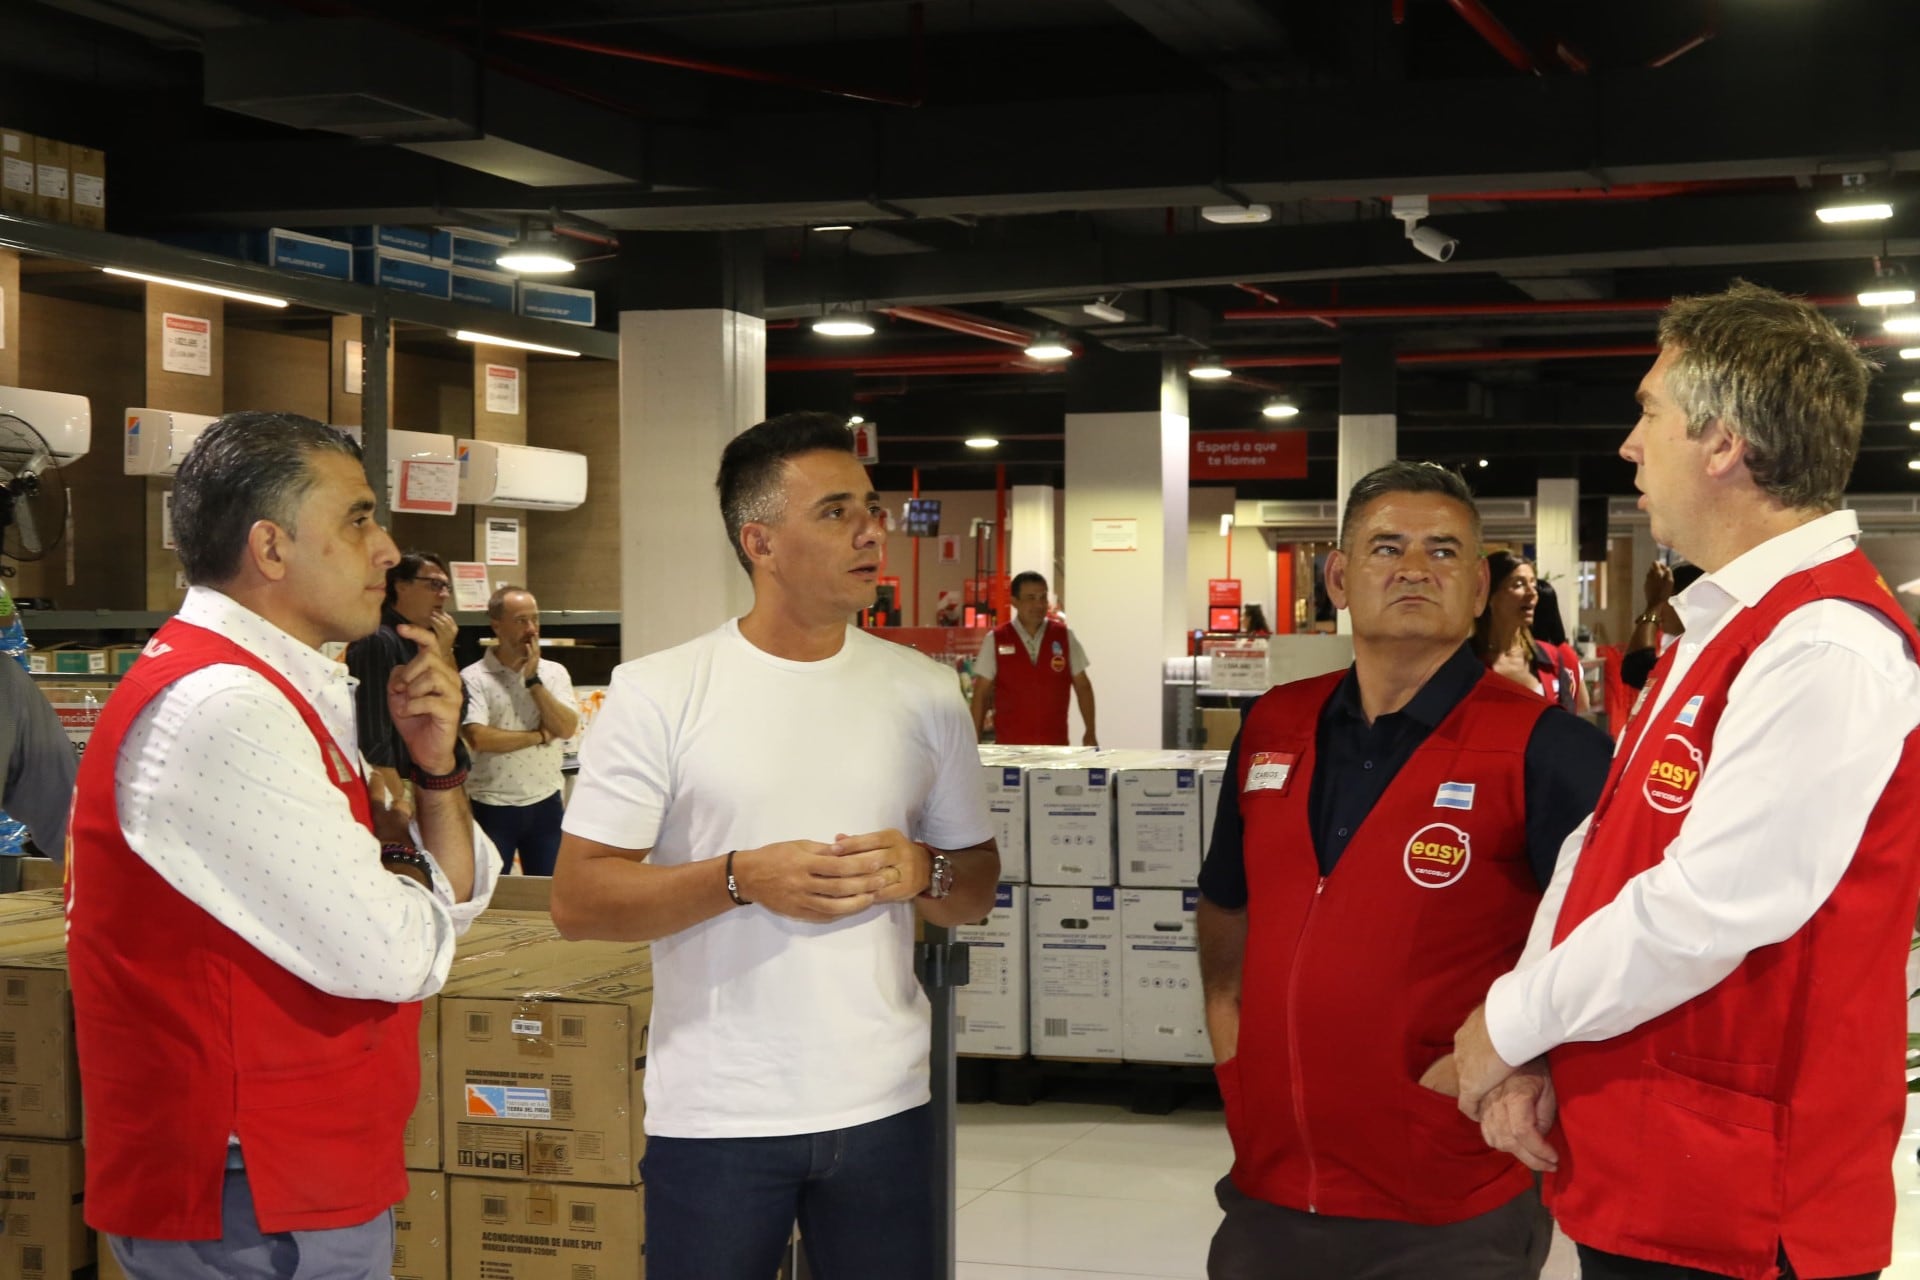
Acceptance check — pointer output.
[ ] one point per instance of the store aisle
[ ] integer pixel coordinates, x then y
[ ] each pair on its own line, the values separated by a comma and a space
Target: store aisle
1089, 1191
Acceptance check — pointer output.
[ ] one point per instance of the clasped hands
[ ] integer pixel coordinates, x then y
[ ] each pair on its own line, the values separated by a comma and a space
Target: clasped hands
822, 883
1515, 1106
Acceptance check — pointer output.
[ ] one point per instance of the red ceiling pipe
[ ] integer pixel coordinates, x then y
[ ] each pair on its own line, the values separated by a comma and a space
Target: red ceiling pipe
1479, 356
1495, 33
1558, 306
1274, 300
1706, 33
961, 322
710, 68
896, 360
1620, 191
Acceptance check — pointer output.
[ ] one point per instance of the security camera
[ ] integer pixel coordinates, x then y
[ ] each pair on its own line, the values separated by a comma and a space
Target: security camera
1433, 242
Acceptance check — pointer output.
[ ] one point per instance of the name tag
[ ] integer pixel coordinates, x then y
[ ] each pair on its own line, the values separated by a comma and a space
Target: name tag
1006, 650
1269, 771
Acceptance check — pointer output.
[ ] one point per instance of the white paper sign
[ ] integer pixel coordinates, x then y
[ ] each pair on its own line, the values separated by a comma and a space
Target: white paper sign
1116, 535
166, 519
430, 487
353, 372
503, 540
470, 589
186, 344
503, 389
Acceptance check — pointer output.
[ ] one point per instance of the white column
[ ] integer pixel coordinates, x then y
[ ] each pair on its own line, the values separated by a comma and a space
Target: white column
1556, 544
1030, 532
689, 382
1127, 607
1367, 441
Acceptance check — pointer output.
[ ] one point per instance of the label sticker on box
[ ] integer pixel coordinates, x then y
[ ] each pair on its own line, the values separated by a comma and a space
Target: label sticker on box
527, 1027
508, 1102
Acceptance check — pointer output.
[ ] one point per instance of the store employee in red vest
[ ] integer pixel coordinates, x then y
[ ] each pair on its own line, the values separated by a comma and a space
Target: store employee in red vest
1717, 975
1025, 671
1374, 865
249, 935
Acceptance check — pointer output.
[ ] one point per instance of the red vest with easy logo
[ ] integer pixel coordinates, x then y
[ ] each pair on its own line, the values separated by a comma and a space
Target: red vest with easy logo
1762, 1113
1354, 983
1030, 698
188, 1034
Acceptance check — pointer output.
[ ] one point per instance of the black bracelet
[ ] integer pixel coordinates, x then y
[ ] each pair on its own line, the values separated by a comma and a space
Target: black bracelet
733, 886
405, 855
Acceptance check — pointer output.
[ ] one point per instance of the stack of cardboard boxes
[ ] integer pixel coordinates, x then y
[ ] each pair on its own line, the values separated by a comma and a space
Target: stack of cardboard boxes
1090, 952
52, 180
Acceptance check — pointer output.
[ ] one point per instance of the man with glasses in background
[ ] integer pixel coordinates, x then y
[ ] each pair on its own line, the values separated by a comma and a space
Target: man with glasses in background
418, 589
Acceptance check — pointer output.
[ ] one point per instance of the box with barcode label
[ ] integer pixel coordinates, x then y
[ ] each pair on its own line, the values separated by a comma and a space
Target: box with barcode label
542, 1057
39, 1074
1070, 822
1157, 824
545, 1231
1007, 810
45, 1236
1073, 957
990, 1012
420, 1228
1163, 1012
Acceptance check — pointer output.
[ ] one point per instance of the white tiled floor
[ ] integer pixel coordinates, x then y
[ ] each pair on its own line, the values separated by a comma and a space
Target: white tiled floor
1088, 1191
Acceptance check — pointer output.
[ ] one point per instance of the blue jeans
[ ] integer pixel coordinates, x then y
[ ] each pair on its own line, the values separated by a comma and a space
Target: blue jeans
532, 829
722, 1208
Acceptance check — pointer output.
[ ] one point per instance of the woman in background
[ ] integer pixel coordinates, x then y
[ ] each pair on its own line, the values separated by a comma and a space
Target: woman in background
1503, 636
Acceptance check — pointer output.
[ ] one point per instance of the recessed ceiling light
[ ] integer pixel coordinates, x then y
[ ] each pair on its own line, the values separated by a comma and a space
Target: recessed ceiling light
1854, 212
982, 442
1209, 370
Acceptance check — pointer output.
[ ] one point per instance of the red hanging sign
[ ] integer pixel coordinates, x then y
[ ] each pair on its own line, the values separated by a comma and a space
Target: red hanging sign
1246, 455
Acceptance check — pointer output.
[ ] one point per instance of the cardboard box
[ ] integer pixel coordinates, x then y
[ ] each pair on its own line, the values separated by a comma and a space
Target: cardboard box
1219, 726
1070, 822
67, 662
39, 1074
545, 1231
41, 1185
1213, 781
89, 189
52, 180
1007, 809
307, 254
422, 1138
402, 272
16, 173
121, 657
557, 302
1163, 1013
478, 250
428, 243
543, 1053
1073, 952
990, 1012
1157, 824
493, 290
420, 1229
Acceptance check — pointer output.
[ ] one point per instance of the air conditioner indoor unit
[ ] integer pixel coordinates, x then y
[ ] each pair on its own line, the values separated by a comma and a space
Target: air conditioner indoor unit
158, 440
64, 421
516, 475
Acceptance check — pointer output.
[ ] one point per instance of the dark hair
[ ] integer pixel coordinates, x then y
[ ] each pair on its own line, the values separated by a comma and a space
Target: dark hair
752, 465
409, 568
1255, 619
1548, 626
497, 602
1401, 476
246, 467
1022, 579
1500, 566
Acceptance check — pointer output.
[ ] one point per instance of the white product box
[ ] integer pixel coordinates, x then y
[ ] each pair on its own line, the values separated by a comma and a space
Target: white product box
1074, 954
1070, 822
1157, 824
1163, 1013
990, 1012
1007, 807
1213, 780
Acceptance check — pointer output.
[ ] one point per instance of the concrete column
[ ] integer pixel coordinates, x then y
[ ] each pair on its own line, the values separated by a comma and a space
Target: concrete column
693, 355
1126, 468
1556, 544
1030, 535
1369, 427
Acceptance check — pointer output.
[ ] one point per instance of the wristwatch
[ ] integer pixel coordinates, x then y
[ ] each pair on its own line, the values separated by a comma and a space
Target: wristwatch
533, 681
940, 882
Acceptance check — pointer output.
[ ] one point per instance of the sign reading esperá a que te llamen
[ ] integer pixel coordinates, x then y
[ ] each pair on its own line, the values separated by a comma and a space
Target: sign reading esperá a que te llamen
1247, 455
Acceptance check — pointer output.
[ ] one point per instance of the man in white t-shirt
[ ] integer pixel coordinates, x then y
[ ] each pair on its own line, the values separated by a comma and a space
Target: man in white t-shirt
769, 804
519, 708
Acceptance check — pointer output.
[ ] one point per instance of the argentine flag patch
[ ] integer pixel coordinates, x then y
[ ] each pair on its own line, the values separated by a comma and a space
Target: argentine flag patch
1690, 712
1454, 795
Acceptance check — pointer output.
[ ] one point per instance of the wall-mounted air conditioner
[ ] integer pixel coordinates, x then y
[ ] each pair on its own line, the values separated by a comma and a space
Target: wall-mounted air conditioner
158, 440
422, 473
515, 475
66, 421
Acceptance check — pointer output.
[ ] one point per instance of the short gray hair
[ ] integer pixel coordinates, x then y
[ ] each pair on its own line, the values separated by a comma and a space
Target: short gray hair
247, 467
497, 602
1402, 476
1782, 377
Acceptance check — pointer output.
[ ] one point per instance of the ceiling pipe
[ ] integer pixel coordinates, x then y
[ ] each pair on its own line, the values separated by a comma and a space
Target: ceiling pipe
1706, 33
1529, 307
1495, 33
1274, 300
961, 322
930, 361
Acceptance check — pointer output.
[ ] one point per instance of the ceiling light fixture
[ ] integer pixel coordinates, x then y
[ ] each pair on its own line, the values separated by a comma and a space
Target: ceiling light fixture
494, 340
1209, 370
835, 226
1237, 215
982, 442
1102, 310
1910, 397
843, 324
1904, 322
1280, 409
1913, 464
1873, 212
855, 420
1047, 346
238, 295
1910, 353
1483, 462
1913, 426
1886, 297
535, 253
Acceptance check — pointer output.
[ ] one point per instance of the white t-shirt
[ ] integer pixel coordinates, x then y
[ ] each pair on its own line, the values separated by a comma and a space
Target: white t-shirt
765, 1026
498, 697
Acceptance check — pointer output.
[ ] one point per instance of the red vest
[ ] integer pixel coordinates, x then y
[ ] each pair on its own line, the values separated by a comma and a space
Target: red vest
1030, 698
187, 1034
1763, 1112
1353, 983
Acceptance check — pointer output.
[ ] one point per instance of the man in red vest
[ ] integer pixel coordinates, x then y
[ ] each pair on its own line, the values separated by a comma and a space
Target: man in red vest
1374, 866
248, 938
1717, 975
1025, 671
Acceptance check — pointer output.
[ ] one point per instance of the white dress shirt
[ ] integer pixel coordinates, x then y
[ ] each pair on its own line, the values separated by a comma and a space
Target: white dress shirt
1814, 724
222, 791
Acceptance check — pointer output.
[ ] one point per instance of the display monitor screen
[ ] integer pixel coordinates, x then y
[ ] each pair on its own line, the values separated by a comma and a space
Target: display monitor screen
923, 518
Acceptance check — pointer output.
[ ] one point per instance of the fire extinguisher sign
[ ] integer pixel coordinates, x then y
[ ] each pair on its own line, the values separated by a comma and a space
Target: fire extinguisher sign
866, 443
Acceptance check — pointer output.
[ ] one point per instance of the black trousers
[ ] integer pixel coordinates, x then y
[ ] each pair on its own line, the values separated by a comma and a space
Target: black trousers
1261, 1241
1596, 1265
